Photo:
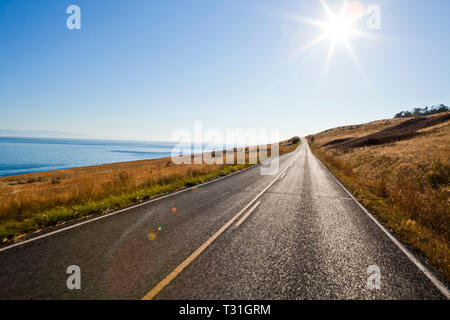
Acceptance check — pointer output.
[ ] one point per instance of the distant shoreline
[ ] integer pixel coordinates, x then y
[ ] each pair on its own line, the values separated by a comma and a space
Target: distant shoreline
41, 154
26, 155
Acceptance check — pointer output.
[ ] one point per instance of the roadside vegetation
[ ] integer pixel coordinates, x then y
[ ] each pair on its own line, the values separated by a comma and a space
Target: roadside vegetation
32, 202
400, 170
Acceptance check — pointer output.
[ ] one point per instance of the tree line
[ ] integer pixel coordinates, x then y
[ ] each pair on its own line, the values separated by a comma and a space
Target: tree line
418, 112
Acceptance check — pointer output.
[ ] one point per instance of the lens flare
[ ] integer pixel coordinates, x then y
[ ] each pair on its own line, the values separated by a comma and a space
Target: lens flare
355, 9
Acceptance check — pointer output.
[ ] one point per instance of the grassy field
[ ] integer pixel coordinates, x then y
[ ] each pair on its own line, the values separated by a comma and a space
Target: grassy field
31, 202
400, 170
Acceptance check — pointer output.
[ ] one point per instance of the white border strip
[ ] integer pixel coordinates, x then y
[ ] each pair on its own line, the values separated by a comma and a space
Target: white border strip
442, 288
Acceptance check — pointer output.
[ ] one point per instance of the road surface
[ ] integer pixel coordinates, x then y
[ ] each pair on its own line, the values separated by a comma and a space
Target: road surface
296, 235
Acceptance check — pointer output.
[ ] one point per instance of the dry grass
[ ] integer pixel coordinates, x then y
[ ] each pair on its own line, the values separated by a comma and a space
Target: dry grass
34, 201
405, 183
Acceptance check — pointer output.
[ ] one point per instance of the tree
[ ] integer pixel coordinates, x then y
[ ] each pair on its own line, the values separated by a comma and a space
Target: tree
399, 115
418, 112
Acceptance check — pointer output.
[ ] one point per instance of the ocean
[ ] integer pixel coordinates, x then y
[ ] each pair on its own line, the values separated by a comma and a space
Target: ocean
26, 155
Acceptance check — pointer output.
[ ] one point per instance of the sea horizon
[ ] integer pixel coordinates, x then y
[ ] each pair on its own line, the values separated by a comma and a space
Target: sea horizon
22, 155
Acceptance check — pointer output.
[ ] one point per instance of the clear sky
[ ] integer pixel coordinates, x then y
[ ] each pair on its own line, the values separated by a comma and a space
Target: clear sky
139, 69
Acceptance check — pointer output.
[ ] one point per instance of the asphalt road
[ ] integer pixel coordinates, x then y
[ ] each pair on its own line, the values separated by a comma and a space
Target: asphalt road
303, 237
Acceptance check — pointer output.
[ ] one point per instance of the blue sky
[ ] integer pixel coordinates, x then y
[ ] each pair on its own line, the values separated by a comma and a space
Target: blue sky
139, 69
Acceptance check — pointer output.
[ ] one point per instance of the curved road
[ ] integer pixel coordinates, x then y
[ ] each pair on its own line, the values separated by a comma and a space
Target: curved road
296, 235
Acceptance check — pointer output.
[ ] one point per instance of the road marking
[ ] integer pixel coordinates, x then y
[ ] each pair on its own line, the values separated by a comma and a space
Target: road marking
439, 285
247, 214
175, 272
283, 175
122, 210
47, 234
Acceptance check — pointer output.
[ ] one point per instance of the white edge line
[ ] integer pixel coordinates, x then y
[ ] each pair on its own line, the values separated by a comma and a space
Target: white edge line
247, 214
442, 288
122, 210
47, 234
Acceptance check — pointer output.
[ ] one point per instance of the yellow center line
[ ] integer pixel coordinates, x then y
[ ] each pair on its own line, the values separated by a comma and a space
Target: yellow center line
172, 275
246, 215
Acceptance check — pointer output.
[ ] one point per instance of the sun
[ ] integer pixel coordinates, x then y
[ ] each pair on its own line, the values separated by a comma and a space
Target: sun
338, 29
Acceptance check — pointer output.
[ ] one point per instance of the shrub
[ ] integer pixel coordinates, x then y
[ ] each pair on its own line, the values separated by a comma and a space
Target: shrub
440, 175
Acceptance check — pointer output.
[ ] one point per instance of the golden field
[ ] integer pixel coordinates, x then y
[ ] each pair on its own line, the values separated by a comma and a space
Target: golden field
400, 170
31, 202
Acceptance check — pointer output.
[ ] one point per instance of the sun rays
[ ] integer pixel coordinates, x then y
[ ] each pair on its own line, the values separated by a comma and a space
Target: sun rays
338, 29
